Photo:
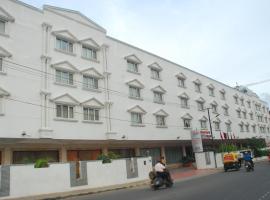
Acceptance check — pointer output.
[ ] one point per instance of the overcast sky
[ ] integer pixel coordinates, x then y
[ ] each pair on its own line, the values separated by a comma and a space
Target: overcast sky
228, 40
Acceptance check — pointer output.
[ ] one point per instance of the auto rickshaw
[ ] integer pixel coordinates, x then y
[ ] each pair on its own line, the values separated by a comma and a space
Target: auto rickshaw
230, 161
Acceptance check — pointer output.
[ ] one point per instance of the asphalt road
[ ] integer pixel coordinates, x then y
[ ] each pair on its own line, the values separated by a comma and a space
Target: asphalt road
233, 185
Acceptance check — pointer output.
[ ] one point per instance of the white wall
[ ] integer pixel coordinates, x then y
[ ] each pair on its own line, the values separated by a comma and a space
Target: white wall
201, 161
25, 180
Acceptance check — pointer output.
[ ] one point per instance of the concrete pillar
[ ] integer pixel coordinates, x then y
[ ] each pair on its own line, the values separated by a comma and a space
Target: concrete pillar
63, 154
105, 150
184, 150
137, 151
163, 154
7, 156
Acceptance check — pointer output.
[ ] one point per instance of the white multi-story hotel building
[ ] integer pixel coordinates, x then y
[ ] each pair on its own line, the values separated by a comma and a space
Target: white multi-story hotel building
68, 91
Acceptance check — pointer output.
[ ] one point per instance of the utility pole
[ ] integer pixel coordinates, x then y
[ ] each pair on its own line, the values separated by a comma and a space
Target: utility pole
211, 132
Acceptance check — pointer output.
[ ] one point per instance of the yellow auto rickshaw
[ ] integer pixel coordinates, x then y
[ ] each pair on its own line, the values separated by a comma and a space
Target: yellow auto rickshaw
230, 161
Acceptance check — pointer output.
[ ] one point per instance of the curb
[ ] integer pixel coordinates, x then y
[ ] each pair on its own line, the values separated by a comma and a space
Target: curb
63, 195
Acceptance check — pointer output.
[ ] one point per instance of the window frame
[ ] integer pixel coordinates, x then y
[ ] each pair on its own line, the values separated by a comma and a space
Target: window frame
60, 80
93, 52
87, 82
155, 72
163, 120
203, 124
4, 27
93, 116
181, 82
197, 87
199, 103
60, 41
185, 104
228, 127
160, 94
131, 65
222, 95
211, 92
139, 116
189, 123
138, 91
68, 117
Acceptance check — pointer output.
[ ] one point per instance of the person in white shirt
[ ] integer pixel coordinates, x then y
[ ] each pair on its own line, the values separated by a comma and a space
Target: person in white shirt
159, 167
161, 171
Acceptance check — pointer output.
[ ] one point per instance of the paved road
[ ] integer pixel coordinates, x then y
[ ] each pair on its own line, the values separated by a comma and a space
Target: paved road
235, 185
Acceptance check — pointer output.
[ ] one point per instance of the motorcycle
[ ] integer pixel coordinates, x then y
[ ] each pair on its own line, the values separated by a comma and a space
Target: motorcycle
249, 167
157, 181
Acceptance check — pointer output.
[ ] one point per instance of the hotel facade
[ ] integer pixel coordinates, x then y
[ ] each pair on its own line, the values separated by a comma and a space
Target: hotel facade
70, 92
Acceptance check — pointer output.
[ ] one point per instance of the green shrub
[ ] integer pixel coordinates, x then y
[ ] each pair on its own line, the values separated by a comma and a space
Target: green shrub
108, 158
227, 148
41, 163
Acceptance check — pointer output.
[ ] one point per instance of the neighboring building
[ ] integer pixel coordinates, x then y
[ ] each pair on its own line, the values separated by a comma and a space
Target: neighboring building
69, 92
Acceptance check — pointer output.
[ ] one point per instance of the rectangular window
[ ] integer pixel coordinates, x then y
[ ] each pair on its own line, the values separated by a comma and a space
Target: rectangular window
203, 124
197, 87
242, 102
136, 118
247, 128
187, 123
249, 105
254, 129
214, 108
251, 116
222, 95
241, 127
228, 127
64, 77
91, 114
158, 97
181, 82
90, 82
134, 92
132, 66
160, 120
211, 92
184, 102
217, 126
1, 64
226, 112
236, 100
64, 45
200, 106
65, 111
2, 26
89, 53
244, 115
155, 74
238, 113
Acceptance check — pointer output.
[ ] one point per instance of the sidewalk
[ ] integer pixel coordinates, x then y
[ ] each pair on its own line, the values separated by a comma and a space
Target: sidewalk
186, 173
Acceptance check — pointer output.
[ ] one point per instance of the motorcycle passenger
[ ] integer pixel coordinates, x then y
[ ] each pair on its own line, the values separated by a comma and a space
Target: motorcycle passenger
248, 158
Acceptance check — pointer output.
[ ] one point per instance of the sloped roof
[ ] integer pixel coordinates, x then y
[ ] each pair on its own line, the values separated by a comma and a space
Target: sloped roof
74, 15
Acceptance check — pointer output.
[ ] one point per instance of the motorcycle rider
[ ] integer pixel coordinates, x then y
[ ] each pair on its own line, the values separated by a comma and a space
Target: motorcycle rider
161, 170
248, 158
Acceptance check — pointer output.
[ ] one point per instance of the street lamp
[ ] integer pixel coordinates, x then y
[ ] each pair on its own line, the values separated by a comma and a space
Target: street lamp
211, 132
